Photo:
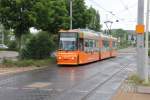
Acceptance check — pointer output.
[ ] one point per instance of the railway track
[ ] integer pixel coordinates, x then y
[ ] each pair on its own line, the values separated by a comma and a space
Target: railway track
91, 77
101, 84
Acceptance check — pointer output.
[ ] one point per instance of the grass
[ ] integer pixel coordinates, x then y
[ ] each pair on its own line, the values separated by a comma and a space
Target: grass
137, 80
28, 63
3, 49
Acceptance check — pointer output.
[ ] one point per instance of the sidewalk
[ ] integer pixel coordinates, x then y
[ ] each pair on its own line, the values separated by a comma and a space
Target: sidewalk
128, 92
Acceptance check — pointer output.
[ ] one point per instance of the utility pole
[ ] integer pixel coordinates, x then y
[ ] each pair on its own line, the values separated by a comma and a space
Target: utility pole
140, 40
146, 43
2, 38
70, 14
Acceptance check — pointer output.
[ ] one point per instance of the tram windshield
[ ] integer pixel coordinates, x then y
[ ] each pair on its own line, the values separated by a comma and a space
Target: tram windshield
68, 41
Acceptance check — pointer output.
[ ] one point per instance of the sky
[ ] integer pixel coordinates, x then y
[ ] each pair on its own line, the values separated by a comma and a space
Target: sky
123, 10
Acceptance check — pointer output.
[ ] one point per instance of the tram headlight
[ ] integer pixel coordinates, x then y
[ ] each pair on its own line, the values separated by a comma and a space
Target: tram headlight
59, 57
73, 58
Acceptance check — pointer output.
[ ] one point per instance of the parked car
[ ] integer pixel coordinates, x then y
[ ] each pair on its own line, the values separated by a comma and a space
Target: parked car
3, 46
53, 54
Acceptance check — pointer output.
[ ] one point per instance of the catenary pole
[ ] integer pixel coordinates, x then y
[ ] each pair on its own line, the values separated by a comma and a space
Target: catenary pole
140, 40
146, 43
70, 14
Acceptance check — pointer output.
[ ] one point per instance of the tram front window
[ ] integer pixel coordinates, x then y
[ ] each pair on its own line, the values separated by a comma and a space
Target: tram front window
68, 41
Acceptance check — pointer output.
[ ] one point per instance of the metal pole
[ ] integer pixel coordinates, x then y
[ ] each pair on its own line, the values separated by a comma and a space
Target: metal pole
140, 41
2, 38
70, 14
146, 43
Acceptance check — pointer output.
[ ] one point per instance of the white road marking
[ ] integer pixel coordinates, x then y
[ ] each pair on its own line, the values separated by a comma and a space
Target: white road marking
39, 85
27, 88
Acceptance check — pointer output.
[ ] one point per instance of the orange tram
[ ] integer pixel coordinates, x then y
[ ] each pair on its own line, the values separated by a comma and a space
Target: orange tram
81, 46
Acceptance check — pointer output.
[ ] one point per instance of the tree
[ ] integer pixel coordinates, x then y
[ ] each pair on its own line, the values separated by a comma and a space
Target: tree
98, 25
51, 15
79, 12
38, 47
93, 19
84, 17
119, 33
123, 35
17, 15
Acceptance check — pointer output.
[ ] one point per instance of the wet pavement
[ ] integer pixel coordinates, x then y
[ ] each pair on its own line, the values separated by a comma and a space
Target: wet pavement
94, 81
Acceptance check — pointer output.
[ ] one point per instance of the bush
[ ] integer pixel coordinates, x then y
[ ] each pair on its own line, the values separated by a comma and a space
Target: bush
12, 45
149, 52
38, 47
135, 79
28, 63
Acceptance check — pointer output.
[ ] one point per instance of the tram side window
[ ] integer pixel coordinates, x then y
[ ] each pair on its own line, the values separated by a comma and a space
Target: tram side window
81, 44
86, 45
90, 45
96, 46
106, 44
114, 44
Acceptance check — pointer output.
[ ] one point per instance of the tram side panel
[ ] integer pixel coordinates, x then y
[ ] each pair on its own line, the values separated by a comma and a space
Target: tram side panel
113, 48
105, 49
88, 51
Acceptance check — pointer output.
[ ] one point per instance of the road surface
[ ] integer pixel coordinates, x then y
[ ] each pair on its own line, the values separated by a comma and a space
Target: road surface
95, 81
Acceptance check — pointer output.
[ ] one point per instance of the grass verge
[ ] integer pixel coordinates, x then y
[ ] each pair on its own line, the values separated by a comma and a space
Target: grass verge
137, 80
28, 63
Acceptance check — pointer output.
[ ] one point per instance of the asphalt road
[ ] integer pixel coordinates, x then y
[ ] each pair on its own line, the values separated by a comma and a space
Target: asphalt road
95, 81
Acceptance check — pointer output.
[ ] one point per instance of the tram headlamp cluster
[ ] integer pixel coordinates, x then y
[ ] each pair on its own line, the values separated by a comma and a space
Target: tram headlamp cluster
73, 58
59, 57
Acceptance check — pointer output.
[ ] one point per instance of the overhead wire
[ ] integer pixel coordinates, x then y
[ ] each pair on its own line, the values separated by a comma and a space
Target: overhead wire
129, 7
125, 7
110, 12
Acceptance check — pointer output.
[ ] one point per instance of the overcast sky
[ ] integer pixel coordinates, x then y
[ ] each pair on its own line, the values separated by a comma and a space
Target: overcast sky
123, 10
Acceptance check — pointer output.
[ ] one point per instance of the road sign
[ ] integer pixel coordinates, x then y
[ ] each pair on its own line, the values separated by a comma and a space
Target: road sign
140, 29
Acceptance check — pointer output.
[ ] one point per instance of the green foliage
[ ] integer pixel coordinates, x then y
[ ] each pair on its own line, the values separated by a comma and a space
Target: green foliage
28, 63
149, 52
137, 80
12, 45
17, 15
120, 33
84, 17
45, 15
51, 15
79, 12
123, 36
92, 19
38, 47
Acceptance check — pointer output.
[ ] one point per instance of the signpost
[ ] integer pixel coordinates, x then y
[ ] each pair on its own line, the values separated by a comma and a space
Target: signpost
140, 41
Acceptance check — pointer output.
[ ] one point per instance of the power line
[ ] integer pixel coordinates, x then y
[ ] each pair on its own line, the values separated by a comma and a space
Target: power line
126, 7
129, 7
110, 12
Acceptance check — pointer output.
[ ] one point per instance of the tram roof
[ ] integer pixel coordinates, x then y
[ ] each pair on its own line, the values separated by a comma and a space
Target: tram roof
89, 33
